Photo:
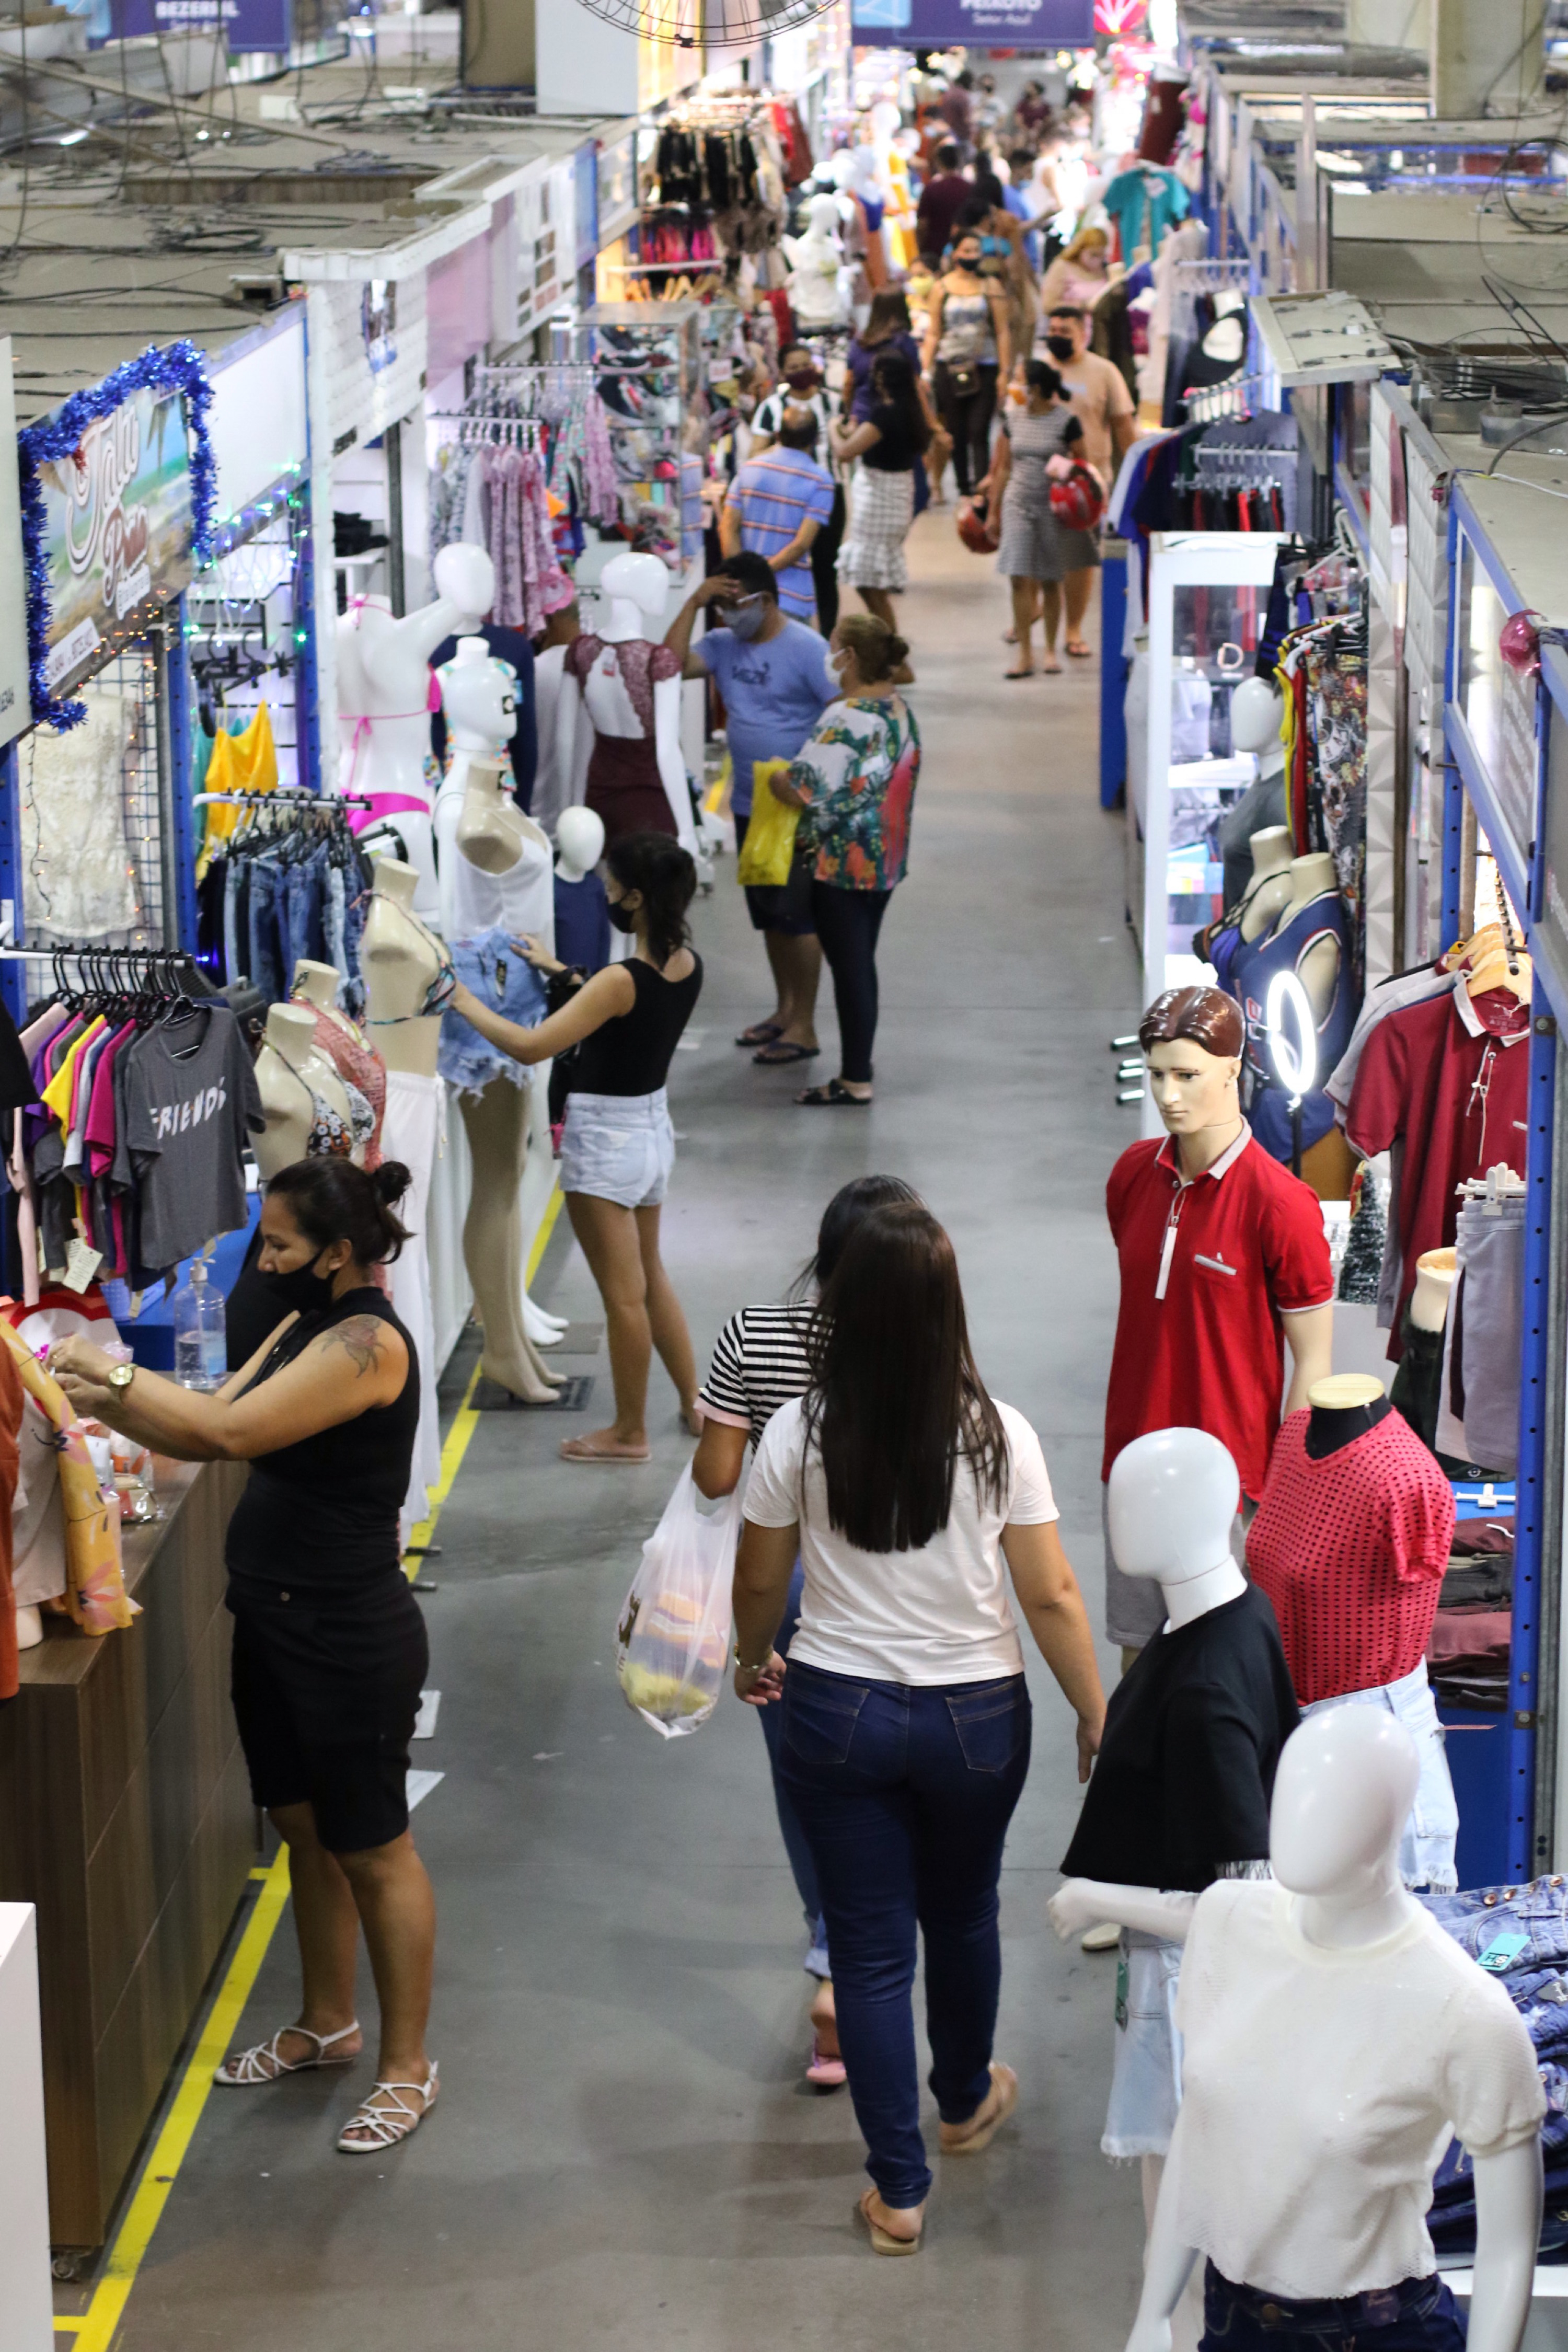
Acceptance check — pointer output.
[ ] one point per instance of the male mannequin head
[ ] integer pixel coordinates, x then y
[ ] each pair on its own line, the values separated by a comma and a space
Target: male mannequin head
1192, 1040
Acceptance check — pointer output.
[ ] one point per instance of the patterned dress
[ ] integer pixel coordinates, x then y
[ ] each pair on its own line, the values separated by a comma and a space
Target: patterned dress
858, 775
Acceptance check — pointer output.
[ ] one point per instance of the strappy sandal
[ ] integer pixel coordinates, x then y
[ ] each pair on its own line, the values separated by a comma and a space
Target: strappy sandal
834, 1095
249, 2067
385, 2127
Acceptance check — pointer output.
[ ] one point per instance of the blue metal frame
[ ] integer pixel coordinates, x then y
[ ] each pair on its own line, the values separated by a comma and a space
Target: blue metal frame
181, 860
306, 679
13, 976
1113, 677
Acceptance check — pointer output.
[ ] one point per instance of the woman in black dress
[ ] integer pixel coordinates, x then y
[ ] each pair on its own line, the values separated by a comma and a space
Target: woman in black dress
330, 1651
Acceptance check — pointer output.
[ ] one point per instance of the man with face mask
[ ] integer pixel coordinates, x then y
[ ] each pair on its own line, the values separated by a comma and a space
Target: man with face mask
774, 675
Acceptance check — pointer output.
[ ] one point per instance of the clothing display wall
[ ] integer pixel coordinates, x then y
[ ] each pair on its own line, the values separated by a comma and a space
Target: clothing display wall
287, 881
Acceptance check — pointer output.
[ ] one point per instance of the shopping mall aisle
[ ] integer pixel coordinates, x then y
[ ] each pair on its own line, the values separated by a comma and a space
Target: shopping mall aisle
625, 2154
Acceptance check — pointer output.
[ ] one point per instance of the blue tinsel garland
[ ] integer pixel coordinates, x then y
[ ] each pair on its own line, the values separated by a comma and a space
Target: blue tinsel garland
179, 369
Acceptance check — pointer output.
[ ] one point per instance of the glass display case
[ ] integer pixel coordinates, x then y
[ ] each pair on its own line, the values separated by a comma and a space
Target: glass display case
1208, 599
648, 366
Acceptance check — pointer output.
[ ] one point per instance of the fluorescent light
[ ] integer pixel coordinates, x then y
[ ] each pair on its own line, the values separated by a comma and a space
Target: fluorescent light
72, 138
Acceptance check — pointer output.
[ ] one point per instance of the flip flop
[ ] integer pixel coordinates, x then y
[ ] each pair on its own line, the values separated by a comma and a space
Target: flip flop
761, 1033
577, 1449
1007, 2084
882, 2241
1078, 650
833, 1096
1020, 673
778, 1055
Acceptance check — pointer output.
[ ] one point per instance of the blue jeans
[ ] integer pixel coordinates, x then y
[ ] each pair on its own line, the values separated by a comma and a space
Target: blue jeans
304, 897
264, 912
1527, 1925
905, 1796
1416, 2315
795, 1846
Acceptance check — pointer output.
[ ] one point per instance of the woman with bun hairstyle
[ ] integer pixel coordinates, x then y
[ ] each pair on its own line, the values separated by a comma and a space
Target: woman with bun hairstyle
618, 1150
330, 1650
855, 777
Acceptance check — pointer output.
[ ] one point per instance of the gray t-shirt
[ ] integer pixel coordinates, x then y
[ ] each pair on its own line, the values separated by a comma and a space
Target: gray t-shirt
190, 1101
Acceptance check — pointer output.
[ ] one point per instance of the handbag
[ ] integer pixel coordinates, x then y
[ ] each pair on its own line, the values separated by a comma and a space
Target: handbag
768, 851
965, 382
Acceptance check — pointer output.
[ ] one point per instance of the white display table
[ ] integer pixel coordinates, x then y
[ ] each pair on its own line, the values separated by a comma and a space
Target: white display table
26, 2306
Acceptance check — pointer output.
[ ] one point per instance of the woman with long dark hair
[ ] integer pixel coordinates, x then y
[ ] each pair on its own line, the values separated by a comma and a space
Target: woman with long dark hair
904, 1712
617, 1152
886, 449
330, 1652
760, 1361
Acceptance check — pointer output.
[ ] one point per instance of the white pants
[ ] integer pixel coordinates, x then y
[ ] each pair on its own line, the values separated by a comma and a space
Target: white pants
413, 1130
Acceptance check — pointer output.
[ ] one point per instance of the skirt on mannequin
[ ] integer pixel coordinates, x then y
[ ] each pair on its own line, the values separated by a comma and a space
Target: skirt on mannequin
413, 1129
624, 789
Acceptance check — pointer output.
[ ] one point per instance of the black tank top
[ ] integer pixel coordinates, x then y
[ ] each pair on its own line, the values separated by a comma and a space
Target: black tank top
631, 1055
320, 1516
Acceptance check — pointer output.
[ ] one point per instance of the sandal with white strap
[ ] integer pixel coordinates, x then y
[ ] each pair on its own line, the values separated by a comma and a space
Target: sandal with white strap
385, 2126
262, 2064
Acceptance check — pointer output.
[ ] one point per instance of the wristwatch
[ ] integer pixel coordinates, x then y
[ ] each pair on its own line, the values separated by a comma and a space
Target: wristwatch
121, 1377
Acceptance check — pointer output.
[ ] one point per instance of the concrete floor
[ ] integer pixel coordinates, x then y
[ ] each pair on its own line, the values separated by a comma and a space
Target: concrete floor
625, 2154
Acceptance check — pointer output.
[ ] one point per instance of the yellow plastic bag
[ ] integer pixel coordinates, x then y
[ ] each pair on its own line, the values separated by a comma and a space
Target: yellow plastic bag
95, 1576
769, 852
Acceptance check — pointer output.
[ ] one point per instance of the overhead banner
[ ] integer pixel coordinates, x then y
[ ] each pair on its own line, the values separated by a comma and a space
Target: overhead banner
244, 24
973, 24
118, 529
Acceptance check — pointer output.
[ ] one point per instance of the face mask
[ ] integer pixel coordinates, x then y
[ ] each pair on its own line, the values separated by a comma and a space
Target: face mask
803, 379
302, 1287
622, 916
1060, 347
748, 621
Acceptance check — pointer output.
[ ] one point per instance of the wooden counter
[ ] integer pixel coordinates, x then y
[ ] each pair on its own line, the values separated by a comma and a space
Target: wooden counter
125, 1816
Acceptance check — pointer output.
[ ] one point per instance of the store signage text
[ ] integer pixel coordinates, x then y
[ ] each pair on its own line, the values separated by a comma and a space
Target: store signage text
973, 24
245, 23
118, 528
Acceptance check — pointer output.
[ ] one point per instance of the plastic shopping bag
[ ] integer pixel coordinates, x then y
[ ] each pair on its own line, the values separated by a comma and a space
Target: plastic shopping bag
672, 1644
769, 850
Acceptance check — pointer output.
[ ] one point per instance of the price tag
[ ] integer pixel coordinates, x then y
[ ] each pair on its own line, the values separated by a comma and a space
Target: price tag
81, 1265
1504, 1950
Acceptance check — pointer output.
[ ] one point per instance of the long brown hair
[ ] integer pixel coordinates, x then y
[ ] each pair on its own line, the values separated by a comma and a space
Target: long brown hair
896, 1400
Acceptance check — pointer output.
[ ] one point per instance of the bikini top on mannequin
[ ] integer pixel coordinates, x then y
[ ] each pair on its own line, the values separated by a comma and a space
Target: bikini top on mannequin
330, 1137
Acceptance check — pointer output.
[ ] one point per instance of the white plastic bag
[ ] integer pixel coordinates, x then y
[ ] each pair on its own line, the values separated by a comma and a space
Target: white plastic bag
672, 1643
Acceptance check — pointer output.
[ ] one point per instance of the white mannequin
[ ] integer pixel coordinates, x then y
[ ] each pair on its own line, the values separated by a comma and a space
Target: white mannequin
1314, 877
1435, 1273
384, 695
1255, 711
635, 591
1342, 1796
818, 281
579, 843
288, 1072
1272, 850
400, 956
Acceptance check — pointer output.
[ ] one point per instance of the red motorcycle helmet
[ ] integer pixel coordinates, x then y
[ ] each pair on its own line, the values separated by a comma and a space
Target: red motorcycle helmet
1077, 502
974, 529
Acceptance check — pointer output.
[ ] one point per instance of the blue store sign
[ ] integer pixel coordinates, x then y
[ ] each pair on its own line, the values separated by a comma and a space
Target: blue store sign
245, 23
973, 24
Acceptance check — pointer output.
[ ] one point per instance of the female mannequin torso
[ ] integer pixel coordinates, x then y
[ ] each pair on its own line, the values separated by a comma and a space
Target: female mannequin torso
293, 1079
400, 960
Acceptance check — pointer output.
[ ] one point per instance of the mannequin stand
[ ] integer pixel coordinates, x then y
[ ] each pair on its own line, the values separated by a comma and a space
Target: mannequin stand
496, 1122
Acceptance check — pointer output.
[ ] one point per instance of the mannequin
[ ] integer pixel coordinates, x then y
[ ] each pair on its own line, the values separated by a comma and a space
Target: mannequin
582, 917
818, 281
1327, 2022
1350, 1543
1435, 1271
618, 716
294, 1079
384, 691
344, 1043
1211, 1236
1257, 708
1310, 938
1271, 888
403, 962
552, 785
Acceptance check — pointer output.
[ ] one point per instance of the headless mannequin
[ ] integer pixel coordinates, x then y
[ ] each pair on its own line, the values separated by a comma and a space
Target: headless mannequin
384, 689
1271, 877
1314, 877
635, 589
289, 1073
552, 784
818, 281
1341, 1795
1344, 1407
1436, 1273
400, 958
319, 982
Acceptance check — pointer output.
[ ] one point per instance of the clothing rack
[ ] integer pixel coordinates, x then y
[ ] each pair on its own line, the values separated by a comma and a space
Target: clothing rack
284, 797
1212, 277
1232, 398
488, 428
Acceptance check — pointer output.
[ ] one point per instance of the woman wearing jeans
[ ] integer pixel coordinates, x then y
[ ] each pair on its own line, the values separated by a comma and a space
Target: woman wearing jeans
904, 1712
856, 776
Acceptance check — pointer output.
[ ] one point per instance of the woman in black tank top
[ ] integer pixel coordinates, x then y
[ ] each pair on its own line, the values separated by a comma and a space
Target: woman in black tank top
330, 1652
617, 1151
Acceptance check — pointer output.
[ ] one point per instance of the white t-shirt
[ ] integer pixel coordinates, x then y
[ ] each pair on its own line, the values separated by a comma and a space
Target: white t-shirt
937, 1615
1319, 2089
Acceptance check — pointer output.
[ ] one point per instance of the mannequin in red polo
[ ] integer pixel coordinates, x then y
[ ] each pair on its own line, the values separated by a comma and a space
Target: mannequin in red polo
1223, 1262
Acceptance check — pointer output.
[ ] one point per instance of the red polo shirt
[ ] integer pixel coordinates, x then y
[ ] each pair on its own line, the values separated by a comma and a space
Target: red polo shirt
1246, 1245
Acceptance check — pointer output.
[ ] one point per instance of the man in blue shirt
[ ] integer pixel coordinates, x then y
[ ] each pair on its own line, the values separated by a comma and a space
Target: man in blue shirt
777, 505
774, 675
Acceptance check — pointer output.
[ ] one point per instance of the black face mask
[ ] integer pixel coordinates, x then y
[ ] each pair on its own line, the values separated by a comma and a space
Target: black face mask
1060, 347
302, 1287
622, 916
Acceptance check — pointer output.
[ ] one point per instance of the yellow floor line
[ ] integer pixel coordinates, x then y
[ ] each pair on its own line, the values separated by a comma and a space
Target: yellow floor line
95, 2331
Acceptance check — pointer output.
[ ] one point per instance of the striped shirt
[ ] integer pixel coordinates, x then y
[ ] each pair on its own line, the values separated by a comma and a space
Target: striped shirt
759, 1363
774, 495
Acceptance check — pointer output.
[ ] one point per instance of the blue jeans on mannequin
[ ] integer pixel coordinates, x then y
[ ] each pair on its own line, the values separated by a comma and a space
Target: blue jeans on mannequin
905, 1795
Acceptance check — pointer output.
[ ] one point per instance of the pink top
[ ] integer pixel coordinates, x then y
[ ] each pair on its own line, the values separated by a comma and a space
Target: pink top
355, 1059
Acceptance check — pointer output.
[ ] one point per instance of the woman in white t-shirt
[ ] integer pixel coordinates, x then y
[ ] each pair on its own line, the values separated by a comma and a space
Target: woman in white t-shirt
905, 1715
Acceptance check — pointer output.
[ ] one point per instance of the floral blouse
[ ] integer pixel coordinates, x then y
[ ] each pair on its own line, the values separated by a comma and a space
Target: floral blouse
857, 775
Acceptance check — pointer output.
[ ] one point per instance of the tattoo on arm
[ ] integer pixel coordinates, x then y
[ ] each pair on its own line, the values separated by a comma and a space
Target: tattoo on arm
360, 1336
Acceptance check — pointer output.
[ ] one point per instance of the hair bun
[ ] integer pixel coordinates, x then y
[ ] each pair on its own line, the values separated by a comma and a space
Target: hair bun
898, 650
391, 1180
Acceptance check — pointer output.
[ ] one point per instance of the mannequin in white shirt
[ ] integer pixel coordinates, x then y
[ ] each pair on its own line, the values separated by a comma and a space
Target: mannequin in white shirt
289, 1075
635, 589
1341, 1796
384, 698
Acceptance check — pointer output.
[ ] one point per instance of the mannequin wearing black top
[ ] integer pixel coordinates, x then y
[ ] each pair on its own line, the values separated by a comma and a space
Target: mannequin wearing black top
1332, 1427
618, 1145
